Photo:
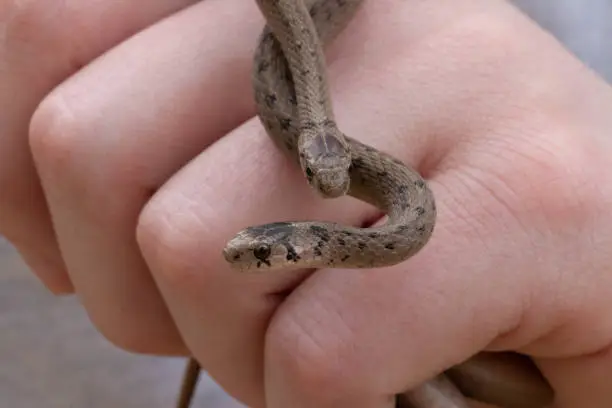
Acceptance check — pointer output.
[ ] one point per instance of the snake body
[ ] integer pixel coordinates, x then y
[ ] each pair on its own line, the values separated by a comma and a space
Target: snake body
296, 112
294, 106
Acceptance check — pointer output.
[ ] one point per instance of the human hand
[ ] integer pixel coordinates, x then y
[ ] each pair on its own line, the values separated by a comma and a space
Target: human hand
511, 131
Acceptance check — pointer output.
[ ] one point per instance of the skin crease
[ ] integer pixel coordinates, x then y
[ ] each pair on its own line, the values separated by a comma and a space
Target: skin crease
511, 131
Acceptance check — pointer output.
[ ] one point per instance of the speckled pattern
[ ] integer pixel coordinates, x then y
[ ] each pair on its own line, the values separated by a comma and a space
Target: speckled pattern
294, 105
51, 355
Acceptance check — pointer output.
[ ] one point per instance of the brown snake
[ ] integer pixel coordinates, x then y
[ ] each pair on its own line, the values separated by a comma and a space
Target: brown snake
294, 105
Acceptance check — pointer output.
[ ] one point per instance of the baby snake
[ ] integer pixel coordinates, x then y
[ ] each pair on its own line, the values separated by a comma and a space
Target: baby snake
294, 105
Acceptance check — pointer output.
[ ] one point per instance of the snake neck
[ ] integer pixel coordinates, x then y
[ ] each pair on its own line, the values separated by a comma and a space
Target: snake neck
293, 27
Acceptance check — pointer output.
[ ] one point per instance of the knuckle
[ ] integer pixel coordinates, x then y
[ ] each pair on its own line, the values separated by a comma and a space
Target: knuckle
535, 180
69, 153
561, 180
56, 135
174, 241
313, 359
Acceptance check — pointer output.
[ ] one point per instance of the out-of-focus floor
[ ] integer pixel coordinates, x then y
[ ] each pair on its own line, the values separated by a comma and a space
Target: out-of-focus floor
52, 357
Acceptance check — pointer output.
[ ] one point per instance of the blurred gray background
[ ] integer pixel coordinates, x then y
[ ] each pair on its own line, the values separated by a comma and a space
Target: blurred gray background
51, 356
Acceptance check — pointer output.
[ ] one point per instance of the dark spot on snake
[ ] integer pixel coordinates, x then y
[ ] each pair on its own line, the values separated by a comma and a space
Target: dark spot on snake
403, 228
320, 232
390, 246
373, 235
419, 210
421, 229
236, 257
285, 124
345, 257
317, 251
402, 189
309, 173
419, 183
382, 174
346, 233
292, 100
263, 66
357, 162
341, 242
362, 245
291, 254
270, 100
308, 125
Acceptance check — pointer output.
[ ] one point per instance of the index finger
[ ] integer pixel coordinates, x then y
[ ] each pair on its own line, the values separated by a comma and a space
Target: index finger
44, 43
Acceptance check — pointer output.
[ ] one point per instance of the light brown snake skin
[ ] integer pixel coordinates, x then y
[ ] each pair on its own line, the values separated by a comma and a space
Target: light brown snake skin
294, 105
296, 111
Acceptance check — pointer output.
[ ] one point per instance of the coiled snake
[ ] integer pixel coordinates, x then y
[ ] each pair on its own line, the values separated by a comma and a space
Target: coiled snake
294, 105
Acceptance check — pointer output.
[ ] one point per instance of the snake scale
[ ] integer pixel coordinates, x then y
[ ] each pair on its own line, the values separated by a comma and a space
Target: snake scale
294, 105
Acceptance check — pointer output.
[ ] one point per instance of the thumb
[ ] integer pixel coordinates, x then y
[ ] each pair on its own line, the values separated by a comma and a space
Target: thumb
507, 380
581, 381
357, 338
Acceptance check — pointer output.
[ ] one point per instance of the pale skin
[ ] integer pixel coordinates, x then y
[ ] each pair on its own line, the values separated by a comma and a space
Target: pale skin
513, 134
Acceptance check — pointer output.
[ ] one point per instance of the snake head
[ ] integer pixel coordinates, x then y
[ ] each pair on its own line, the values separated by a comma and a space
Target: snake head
265, 247
325, 159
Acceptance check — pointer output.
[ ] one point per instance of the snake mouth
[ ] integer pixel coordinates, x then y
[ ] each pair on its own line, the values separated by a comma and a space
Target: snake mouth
330, 183
231, 255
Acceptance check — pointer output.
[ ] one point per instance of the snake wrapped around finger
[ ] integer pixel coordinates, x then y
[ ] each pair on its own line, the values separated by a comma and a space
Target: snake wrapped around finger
293, 103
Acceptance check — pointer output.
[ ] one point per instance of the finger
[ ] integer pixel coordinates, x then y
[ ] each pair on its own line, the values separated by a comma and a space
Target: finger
510, 380
109, 137
438, 392
583, 381
42, 44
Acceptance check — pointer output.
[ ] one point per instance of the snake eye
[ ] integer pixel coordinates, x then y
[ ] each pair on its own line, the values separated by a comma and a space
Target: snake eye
309, 172
262, 252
